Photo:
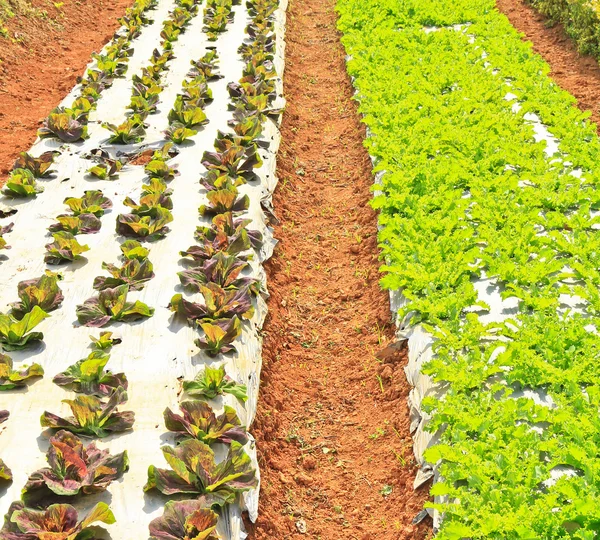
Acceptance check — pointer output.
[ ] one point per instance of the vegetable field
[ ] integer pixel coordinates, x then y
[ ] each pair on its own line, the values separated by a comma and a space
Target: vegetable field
408, 235
133, 234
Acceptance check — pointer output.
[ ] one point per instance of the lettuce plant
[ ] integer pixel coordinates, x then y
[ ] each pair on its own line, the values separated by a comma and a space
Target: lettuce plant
224, 225
246, 132
92, 202
194, 471
11, 378
106, 169
20, 184
106, 341
214, 240
110, 64
38, 166
236, 163
222, 269
17, 334
6, 476
57, 522
198, 420
5, 230
219, 336
178, 133
129, 132
81, 224
88, 376
190, 116
146, 88
74, 469
143, 106
133, 273
132, 249
111, 305
43, 292
207, 66
196, 92
218, 304
93, 417
158, 169
62, 125
185, 520
224, 200
65, 248
155, 196
213, 382
148, 227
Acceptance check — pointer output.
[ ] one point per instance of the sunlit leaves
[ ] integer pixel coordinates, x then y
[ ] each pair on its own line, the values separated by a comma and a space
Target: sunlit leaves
213, 382
111, 305
93, 417
73, 469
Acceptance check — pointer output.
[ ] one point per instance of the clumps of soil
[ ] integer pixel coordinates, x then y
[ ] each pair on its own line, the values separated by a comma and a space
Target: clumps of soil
332, 425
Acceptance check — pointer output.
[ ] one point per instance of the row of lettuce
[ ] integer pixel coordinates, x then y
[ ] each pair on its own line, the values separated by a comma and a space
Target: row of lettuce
467, 191
215, 269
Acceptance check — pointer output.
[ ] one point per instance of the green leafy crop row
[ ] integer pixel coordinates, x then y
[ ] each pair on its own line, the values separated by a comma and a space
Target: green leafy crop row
467, 190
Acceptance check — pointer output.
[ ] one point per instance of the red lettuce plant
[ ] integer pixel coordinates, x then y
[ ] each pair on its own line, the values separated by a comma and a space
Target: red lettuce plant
198, 420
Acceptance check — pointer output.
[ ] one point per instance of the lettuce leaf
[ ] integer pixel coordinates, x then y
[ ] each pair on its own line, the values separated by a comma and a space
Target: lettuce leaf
65, 248
111, 305
133, 273
185, 520
11, 378
88, 376
198, 420
93, 417
213, 382
43, 292
74, 469
57, 522
16, 334
194, 471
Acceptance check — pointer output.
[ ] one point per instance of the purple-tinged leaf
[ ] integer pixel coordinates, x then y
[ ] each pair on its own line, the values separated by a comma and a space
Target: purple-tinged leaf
194, 471
73, 469
111, 305
197, 420
133, 273
219, 336
82, 224
93, 417
213, 382
4, 230
185, 520
65, 248
88, 376
57, 522
43, 292
39, 166
11, 378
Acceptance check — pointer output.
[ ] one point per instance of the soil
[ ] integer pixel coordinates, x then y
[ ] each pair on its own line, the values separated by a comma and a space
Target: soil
332, 425
579, 75
41, 60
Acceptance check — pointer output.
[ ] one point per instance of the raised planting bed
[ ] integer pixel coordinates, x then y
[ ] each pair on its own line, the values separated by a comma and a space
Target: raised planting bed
486, 176
148, 347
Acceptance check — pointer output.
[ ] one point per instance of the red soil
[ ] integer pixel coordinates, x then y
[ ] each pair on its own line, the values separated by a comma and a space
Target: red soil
579, 75
41, 60
332, 425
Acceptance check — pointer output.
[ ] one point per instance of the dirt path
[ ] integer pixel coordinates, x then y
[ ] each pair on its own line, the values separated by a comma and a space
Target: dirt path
579, 75
41, 60
332, 427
